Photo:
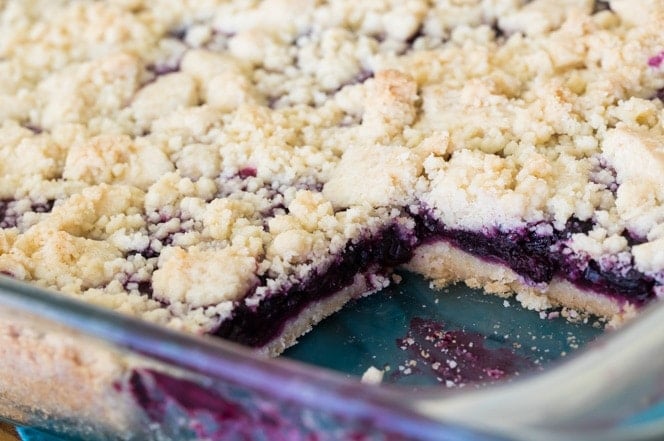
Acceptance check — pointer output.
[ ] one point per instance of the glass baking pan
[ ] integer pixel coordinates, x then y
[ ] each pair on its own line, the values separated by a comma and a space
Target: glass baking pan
91, 374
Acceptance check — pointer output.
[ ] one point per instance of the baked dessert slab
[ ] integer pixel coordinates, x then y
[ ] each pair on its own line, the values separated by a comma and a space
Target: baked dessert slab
233, 169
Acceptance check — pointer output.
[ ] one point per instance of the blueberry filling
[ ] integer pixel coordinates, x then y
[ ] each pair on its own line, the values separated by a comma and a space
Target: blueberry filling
256, 326
165, 68
204, 413
659, 95
604, 174
4, 204
144, 287
539, 257
12, 210
35, 129
527, 252
655, 62
410, 41
188, 409
42, 207
600, 6
177, 33
498, 32
632, 284
458, 358
247, 172
362, 76
633, 239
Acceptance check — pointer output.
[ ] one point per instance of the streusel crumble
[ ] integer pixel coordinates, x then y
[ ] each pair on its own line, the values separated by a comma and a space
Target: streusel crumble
244, 168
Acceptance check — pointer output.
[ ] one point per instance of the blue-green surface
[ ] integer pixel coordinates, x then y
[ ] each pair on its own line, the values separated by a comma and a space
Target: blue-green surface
28, 434
365, 332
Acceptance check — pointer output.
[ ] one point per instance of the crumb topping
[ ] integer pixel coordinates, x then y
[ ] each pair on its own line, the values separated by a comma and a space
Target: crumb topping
168, 159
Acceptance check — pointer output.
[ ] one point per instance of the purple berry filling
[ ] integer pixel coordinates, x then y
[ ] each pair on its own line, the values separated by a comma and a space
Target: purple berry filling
498, 32
359, 78
4, 204
604, 174
144, 287
188, 409
539, 258
525, 251
43, 207
256, 326
600, 6
419, 32
159, 69
632, 284
247, 172
458, 358
11, 213
204, 413
274, 101
659, 95
656, 60
362, 76
177, 33
35, 129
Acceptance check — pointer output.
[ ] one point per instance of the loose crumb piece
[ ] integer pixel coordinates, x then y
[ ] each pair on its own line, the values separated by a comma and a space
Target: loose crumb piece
372, 375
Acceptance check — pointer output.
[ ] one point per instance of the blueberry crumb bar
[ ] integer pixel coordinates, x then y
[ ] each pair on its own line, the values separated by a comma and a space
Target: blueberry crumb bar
244, 168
